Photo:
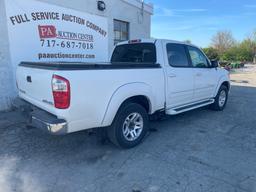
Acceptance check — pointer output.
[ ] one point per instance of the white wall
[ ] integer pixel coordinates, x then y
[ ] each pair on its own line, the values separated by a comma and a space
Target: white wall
7, 84
115, 9
126, 10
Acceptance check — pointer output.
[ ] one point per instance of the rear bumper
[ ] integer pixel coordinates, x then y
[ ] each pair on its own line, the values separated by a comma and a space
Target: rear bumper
48, 122
41, 119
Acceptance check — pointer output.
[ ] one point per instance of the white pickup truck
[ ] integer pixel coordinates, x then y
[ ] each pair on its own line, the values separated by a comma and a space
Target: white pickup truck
144, 78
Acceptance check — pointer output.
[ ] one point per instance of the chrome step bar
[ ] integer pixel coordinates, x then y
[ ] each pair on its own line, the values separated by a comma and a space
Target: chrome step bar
184, 108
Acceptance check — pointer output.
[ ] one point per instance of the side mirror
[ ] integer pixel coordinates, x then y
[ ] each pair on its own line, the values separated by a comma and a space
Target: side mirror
214, 63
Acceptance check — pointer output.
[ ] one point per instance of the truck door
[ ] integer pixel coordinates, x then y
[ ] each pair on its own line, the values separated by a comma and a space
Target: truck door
179, 76
205, 77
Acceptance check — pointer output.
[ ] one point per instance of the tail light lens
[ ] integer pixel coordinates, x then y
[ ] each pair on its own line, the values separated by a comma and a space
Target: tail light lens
61, 92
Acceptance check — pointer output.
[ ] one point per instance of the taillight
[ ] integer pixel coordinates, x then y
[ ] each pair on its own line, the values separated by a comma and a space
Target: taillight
61, 92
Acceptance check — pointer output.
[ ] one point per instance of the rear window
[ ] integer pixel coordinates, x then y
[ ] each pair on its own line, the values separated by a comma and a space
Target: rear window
138, 53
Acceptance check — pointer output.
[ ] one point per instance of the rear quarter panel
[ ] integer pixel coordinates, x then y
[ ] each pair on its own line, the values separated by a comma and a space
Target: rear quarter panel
97, 94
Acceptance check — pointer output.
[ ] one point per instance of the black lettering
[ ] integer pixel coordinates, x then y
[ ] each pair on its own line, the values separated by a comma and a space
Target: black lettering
18, 19
96, 28
33, 16
12, 20
45, 16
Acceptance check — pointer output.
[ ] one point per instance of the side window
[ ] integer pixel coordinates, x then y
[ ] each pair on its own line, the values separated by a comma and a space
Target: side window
177, 56
197, 58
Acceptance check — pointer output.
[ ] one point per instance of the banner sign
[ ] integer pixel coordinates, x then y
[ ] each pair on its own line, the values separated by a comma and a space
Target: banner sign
44, 32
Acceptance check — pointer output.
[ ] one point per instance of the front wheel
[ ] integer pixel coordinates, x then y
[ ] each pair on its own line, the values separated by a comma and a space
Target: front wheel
130, 126
221, 99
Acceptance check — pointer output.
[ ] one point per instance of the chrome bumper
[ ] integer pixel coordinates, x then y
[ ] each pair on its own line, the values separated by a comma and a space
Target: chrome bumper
49, 123
41, 119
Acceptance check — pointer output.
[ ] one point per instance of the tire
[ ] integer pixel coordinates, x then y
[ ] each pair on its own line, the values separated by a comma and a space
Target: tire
129, 126
221, 99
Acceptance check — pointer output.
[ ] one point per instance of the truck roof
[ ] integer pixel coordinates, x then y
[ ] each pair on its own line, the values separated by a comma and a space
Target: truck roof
153, 40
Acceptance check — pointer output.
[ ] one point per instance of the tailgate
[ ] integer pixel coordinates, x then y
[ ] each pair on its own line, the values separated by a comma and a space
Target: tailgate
34, 86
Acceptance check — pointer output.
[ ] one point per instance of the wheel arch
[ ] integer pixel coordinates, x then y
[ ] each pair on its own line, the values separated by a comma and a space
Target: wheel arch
141, 100
139, 93
227, 84
223, 81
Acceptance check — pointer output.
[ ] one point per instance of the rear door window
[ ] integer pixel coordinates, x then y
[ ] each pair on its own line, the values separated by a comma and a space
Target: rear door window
177, 55
135, 53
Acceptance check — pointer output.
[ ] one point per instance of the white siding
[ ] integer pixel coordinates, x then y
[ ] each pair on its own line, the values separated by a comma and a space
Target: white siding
7, 85
115, 9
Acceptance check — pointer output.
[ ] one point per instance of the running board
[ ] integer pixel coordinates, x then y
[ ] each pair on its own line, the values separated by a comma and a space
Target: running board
178, 110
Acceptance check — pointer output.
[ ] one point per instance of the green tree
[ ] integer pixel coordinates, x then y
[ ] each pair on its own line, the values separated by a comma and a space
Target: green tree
240, 52
226, 48
247, 49
211, 53
253, 39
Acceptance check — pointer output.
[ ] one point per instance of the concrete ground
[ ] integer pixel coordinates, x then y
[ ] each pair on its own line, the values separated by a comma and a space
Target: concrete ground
201, 150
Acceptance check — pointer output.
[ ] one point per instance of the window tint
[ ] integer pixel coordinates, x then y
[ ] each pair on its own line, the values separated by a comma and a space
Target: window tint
197, 57
139, 53
177, 56
121, 31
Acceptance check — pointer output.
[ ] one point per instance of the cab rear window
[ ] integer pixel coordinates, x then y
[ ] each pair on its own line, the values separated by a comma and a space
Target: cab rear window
135, 53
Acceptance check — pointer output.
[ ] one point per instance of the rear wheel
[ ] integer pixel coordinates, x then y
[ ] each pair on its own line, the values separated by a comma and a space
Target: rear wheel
130, 126
221, 99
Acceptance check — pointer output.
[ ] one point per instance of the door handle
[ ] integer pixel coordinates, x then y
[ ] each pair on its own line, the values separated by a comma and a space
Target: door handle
171, 75
199, 74
29, 79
